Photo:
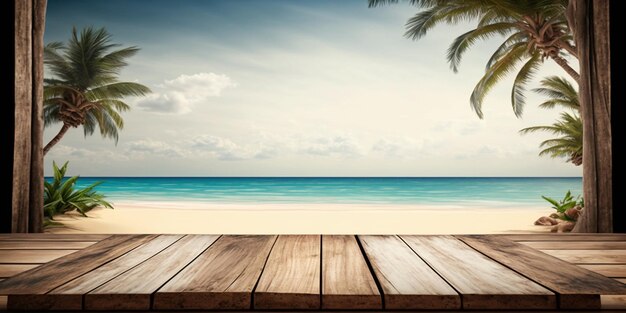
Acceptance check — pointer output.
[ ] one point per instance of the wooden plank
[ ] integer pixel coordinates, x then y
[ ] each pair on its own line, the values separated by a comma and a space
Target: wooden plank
133, 289
45, 245
36, 190
482, 282
406, 281
347, 282
621, 280
576, 245
69, 296
614, 302
23, 116
578, 288
8, 270
565, 237
31, 256
608, 270
54, 237
291, 279
222, 277
53, 274
590, 256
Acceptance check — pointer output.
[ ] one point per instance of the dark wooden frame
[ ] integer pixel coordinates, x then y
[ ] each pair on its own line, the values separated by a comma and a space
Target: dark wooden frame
23, 126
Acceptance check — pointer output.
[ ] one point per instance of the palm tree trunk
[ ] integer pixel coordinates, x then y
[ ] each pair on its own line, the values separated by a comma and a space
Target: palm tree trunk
563, 63
56, 138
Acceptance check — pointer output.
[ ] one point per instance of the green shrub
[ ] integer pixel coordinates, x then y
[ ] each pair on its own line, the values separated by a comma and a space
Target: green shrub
61, 196
568, 202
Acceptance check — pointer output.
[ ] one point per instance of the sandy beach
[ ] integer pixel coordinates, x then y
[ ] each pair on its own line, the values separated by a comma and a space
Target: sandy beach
202, 218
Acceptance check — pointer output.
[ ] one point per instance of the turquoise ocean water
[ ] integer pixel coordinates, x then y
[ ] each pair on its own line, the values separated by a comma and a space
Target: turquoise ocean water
457, 191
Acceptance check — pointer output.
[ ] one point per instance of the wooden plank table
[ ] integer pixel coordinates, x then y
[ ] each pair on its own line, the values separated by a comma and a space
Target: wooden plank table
291, 278
484, 283
407, 282
312, 272
347, 282
223, 277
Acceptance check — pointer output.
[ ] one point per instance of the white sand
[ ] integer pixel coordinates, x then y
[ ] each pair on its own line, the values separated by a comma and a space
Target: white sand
200, 218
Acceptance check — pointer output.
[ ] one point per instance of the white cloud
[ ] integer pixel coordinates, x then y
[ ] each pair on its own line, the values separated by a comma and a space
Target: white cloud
179, 95
226, 150
149, 147
334, 146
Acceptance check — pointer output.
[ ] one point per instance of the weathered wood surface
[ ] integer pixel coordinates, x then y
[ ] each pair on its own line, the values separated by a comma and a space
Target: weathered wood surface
69, 296
347, 282
591, 29
22, 45
291, 279
44, 245
577, 287
482, 282
31, 256
613, 302
589, 256
223, 277
133, 289
406, 281
9, 270
608, 270
565, 237
576, 245
50, 275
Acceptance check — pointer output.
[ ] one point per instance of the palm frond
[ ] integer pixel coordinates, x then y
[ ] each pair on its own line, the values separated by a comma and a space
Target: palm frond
525, 74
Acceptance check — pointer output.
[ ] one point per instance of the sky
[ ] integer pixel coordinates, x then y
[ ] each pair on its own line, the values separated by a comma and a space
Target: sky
297, 88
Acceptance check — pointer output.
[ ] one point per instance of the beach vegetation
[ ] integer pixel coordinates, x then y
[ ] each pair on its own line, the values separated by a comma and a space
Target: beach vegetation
62, 196
532, 31
84, 88
567, 208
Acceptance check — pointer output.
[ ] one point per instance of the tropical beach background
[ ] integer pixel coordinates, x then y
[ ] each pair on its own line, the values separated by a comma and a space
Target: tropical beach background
309, 117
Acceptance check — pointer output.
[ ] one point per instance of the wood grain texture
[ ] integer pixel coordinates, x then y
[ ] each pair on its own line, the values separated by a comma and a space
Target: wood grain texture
23, 114
347, 282
53, 274
9, 270
406, 281
223, 277
291, 279
44, 245
608, 270
614, 302
132, 290
590, 256
69, 296
31, 256
483, 283
565, 237
621, 280
36, 193
578, 288
592, 36
576, 245
53, 237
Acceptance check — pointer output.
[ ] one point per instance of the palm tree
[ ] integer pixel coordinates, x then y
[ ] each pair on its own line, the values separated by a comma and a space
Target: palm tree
533, 30
85, 88
569, 127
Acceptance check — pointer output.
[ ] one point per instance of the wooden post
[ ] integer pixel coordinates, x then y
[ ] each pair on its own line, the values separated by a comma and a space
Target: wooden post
591, 31
23, 115
26, 140
35, 215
